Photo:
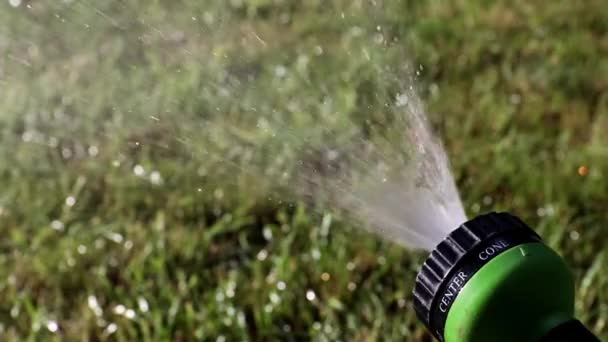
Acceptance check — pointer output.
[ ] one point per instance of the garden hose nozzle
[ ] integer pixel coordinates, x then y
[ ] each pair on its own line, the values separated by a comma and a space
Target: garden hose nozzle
494, 280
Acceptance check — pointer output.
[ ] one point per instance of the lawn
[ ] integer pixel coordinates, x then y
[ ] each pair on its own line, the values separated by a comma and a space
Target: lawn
150, 153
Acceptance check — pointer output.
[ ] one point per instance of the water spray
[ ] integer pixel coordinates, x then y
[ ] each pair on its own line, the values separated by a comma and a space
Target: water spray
493, 280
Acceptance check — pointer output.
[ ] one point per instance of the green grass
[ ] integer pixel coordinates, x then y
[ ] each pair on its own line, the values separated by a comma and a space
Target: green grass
91, 90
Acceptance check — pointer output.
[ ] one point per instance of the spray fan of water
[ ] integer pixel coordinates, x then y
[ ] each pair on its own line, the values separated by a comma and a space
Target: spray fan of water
401, 189
418, 204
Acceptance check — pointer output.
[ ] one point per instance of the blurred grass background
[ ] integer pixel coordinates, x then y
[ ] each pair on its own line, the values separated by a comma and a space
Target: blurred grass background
144, 146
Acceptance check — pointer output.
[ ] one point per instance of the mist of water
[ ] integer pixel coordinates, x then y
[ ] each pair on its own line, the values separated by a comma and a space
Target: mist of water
250, 127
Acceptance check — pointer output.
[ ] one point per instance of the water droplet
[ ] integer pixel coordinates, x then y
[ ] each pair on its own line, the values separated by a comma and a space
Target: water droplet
316, 254
487, 200
574, 235
475, 207
262, 255
143, 304
240, 318
540, 212
139, 170
381, 260
325, 276
53, 142
57, 225
156, 178
93, 151
120, 309
15, 310
280, 71
267, 232
99, 243
311, 295
52, 326
94, 305
66, 153
274, 298
281, 285
115, 237
128, 244
130, 314
111, 328
70, 261
70, 201
401, 100
350, 266
82, 249
27, 136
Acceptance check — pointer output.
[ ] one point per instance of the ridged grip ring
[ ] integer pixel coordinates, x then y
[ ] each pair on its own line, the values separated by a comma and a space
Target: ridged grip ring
456, 253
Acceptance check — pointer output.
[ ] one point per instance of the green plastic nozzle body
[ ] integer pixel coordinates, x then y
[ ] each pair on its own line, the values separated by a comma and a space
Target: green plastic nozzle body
493, 280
